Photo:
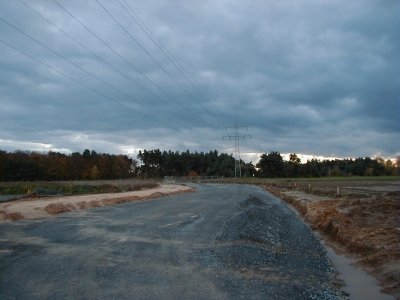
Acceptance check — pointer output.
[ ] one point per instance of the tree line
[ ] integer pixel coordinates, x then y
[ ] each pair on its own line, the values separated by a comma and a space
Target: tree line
273, 165
157, 163
29, 166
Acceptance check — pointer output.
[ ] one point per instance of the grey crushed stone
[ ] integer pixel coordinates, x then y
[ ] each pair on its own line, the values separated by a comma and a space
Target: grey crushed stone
266, 242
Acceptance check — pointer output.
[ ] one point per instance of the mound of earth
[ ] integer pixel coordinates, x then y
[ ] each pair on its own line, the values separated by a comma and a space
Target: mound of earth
365, 225
34, 208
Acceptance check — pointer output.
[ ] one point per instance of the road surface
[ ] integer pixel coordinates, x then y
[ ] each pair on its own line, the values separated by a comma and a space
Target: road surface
221, 242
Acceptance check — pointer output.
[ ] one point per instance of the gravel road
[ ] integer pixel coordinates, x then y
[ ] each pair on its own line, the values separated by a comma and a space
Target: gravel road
222, 242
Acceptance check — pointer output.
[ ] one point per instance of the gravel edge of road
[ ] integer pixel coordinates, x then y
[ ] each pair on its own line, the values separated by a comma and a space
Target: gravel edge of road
327, 237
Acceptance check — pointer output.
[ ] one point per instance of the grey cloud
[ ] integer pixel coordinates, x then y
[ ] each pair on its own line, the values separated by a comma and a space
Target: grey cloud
316, 77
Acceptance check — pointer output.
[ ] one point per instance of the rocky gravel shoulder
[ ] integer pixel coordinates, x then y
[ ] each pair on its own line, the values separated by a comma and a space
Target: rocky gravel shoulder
266, 242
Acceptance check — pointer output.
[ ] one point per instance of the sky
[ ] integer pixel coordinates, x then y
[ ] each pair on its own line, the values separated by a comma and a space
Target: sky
317, 78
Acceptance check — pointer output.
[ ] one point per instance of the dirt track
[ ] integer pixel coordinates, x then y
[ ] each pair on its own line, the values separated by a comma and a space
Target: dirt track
221, 242
39, 208
239, 246
361, 220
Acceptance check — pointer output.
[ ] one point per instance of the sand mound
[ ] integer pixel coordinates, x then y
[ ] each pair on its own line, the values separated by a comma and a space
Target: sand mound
33, 208
58, 208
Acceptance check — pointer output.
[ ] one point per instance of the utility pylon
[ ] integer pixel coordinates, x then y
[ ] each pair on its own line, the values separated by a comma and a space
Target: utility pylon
237, 137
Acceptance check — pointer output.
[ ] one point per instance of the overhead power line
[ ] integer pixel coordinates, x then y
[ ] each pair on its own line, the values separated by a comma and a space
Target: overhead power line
67, 60
80, 68
144, 104
237, 137
170, 57
148, 79
148, 54
77, 81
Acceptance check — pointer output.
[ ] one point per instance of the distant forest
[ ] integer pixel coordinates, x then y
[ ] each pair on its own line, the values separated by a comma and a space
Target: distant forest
29, 166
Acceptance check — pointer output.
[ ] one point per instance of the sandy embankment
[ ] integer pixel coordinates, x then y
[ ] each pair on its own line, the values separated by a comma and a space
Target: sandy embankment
363, 226
34, 208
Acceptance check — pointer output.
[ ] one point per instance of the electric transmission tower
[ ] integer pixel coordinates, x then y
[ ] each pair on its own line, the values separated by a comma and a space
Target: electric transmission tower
237, 137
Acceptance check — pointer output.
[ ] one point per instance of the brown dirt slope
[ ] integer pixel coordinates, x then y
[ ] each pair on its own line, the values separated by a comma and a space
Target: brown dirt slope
365, 224
34, 208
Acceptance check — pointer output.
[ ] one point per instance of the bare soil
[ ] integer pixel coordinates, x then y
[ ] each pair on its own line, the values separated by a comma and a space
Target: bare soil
360, 219
39, 208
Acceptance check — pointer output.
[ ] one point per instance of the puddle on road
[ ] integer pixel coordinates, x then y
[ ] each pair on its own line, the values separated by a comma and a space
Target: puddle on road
358, 283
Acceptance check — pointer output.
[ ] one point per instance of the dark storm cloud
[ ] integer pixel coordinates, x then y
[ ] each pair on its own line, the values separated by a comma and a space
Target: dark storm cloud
314, 77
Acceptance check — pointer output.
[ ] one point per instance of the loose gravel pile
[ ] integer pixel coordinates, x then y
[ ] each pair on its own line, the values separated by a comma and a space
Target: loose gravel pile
261, 243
